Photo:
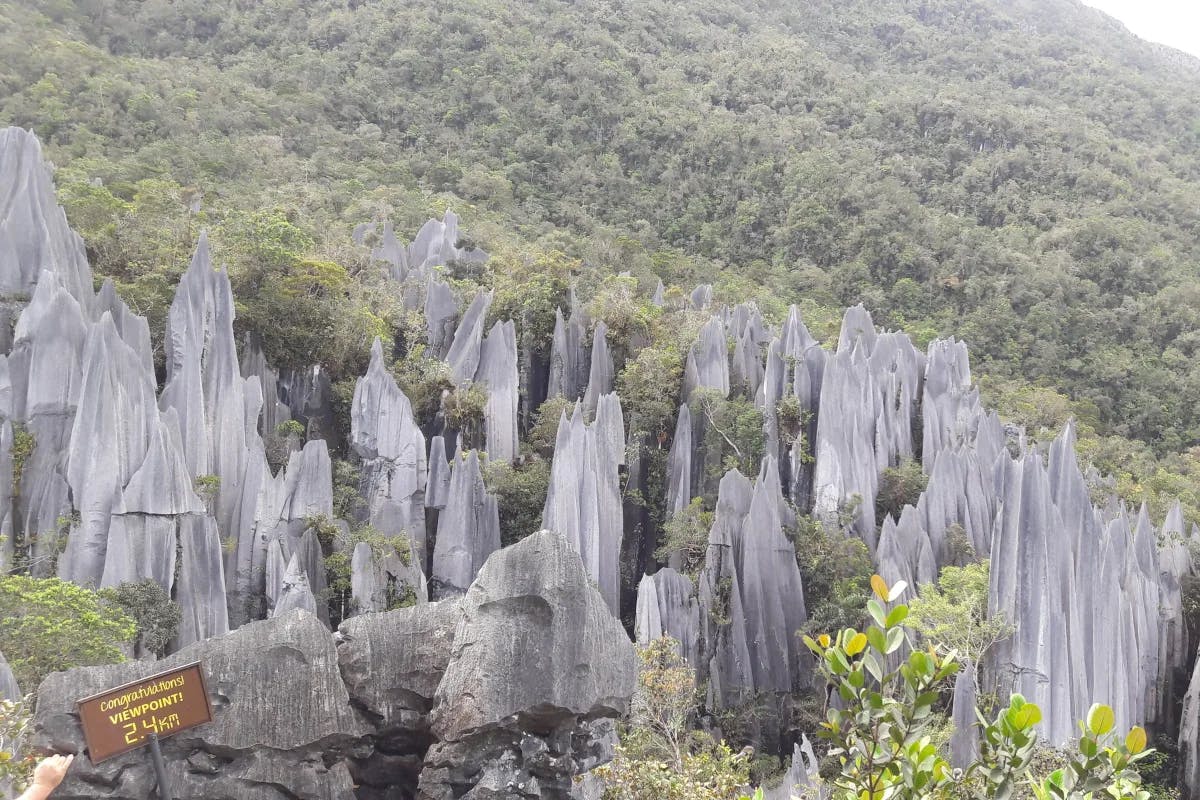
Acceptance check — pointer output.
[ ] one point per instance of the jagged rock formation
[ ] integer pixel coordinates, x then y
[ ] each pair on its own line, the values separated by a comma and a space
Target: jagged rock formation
1189, 739
497, 373
434, 695
123, 484
537, 660
802, 776
468, 529
463, 355
666, 606
392, 664
282, 720
9, 690
751, 598
583, 501
568, 358
436, 245
385, 435
964, 743
377, 582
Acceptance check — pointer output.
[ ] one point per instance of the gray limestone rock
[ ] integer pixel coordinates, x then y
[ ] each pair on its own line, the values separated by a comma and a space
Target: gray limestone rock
964, 743
497, 373
376, 584
666, 606
34, 234
201, 590
568, 358
468, 530
295, 592
571, 659
1189, 739
463, 355
8, 682
441, 317
583, 500
439, 474
392, 663
751, 598
707, 365
679, 464
384, 434
283, 724
600, 376
802, 778
537, 666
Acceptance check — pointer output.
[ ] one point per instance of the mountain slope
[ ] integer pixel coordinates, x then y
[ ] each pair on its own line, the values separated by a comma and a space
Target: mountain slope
1023, 174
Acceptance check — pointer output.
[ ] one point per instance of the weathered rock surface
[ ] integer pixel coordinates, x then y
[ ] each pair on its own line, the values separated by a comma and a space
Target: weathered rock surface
8, 682
583, 501
283, 725
392, 664
497, 374
537, 658
385, 435
667, 606
468, 530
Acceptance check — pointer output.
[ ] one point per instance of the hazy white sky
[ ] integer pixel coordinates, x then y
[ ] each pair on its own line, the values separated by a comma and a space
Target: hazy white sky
1171, 22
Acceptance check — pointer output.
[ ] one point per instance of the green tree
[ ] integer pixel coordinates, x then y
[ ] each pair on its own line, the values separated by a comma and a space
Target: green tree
156, 615
953, 615
48, 625
660, 756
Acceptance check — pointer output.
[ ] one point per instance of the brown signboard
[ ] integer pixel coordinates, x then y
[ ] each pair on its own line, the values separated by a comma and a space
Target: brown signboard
120, 719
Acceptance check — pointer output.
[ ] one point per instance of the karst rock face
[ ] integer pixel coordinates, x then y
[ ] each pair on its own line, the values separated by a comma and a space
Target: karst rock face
282, 720
427, 701
538, 663
107, 477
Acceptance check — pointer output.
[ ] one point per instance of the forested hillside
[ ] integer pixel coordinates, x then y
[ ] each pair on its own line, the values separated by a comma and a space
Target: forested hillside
1023, 174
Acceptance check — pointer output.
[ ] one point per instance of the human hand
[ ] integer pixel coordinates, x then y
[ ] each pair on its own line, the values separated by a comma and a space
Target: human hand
51, 771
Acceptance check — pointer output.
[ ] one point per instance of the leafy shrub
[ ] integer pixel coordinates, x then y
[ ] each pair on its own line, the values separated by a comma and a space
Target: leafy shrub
899, 486
880, 731
156, 615
48, 625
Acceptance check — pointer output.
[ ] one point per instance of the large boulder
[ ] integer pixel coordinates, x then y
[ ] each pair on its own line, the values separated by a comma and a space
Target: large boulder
392, 664
538, 664
282, 722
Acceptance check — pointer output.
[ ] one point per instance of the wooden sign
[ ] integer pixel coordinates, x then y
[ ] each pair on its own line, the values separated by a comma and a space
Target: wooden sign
120, 719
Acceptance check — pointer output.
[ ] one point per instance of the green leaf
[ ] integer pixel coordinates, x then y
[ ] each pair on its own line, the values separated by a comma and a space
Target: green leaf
1100, 719
895, 638
897, 615
877, 614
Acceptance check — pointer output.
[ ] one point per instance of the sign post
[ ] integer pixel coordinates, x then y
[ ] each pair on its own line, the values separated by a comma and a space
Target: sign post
144, 711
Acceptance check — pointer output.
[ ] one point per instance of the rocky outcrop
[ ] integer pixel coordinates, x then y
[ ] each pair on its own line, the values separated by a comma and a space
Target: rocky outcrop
600, 376
392, 664
8, 682
583, 501
666, 606
568, 358
1189, 739
497, 374
282, 726
537, 660
802, 777
468, 530
751, 598
385, 436
463, 355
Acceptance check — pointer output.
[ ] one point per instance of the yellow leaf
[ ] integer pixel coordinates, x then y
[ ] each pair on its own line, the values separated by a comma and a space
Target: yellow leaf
880, 587
1135, 742
824, 640
856, 644
1100, 719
